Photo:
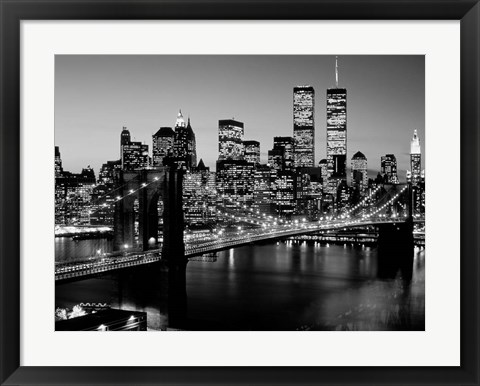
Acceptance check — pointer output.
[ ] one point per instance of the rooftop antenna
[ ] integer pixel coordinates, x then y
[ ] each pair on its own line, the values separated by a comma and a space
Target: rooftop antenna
336, 71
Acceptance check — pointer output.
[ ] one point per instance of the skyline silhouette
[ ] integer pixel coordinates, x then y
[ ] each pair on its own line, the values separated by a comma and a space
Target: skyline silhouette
95, 96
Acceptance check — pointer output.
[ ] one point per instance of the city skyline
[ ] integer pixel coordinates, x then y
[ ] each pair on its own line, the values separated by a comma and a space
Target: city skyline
379, 109
146, 226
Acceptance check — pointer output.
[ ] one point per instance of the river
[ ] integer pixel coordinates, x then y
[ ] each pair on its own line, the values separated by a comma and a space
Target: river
282, 286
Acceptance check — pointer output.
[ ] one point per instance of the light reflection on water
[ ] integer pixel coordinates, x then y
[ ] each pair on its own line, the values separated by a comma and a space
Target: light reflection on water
288, 286
67, 249
303, 286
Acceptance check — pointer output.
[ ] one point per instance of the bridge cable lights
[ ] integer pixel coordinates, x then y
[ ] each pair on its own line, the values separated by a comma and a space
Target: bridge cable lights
130, 192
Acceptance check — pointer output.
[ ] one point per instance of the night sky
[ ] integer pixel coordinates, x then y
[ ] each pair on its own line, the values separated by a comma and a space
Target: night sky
95, 95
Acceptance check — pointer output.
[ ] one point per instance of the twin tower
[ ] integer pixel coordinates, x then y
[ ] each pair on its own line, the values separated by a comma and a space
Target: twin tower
304, 131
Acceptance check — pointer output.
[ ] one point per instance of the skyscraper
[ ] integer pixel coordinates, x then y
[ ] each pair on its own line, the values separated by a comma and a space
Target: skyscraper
163, 141
124, 139
184, 143
58, 162
106, 175
389, 169
199, 195
323, 165
134, 155
336, 134
230, 140
180, 122
275, 158
415, 159
284, 198
235, 182
359, 172
287, 145
264, 189
252, 151
304, 125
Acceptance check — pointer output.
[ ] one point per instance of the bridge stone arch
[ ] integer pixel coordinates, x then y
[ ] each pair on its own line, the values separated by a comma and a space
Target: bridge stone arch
149, 186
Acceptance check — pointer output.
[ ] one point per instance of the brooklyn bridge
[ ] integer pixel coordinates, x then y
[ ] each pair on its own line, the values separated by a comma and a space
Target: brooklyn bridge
387, 209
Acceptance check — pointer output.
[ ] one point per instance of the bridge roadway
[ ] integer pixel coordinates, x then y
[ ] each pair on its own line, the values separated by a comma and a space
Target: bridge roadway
95, 266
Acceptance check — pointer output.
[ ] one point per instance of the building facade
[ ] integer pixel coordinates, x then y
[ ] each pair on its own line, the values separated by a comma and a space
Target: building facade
252, 151
73, 197
230, 140
133, 155
235, 180
275, 159
359, 173
199, 196
264, 190
304, 126
336, 135
58, 162
389, 169
184, 146
287, 146
162, 141
415, 159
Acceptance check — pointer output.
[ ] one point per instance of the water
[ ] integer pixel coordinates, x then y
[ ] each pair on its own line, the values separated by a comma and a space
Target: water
67, 250
285, 286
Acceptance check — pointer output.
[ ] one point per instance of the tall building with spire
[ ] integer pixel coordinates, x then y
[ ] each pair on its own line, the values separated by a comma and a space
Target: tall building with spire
180, 122
184, 143
336, 135
304, 126
415, 159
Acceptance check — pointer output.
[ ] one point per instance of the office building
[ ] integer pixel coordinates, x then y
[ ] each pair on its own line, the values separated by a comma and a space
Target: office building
264, 189
304, 126
275, 159
199, 196
163, 141
389, 169
235, 182
252, 151
58, 162
287, 145
415, 159
135, 156
323, 165
336, 135
230, 140
359, 173
184, 146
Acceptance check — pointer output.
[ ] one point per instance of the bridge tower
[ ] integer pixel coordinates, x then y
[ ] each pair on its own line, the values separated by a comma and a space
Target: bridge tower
146, 187
168, 278
396, 245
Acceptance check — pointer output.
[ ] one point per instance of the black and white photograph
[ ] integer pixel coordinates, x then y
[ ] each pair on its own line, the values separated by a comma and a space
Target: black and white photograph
239, 193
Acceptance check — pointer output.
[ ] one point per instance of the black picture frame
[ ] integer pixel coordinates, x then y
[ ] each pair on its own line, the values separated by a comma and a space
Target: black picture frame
13, 11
